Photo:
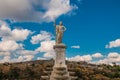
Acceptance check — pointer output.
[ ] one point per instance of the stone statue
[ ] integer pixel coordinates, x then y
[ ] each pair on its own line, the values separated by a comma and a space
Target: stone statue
59, 32
60, 70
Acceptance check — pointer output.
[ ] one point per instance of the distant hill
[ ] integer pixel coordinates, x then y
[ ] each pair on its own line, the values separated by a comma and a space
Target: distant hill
33, 70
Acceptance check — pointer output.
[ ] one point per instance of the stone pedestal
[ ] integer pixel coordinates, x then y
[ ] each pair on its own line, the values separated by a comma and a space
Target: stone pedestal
60, 71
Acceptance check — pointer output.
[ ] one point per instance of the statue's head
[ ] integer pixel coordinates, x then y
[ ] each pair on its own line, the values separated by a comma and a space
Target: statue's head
61, 23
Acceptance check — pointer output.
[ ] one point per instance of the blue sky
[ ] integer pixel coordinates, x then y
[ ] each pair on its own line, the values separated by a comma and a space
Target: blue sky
92, 29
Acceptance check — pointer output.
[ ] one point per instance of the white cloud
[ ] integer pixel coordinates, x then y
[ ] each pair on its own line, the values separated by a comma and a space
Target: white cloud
4, 53
27, 52
18, 59
77, 47
10, 49
12, 45
109, 59
16, 34
46, 44
18, 10
97, 55
43, 36
57, 8
39, 58
4, 29
34, 10
81, 58
87, 57
113, 55
24, 55
19, 56
46, 47
49, 54
5, 59
28, 57
112, 44
9, 45
9, 37
20, 34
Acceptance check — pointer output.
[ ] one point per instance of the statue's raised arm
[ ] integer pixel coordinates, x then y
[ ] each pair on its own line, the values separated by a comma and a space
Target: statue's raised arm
59, 32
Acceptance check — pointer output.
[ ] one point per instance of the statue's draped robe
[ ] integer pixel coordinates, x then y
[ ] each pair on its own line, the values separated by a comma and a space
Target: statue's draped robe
59, 34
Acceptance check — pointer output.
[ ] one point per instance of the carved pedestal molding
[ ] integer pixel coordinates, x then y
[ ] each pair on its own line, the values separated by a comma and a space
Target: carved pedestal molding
60, 71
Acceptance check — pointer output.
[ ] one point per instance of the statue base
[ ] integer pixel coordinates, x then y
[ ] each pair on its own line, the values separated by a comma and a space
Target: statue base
60, 71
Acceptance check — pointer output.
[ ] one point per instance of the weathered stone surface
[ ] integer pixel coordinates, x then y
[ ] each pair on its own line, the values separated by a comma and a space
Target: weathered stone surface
45, 77
61, 45
60, 71
72, 73
47, 72
74, 78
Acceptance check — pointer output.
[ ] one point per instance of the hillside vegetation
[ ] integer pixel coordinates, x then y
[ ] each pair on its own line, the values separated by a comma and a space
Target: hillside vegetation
33, 70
